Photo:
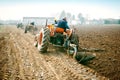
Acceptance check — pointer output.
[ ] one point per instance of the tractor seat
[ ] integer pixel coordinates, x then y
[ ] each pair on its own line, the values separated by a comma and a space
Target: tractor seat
59, 30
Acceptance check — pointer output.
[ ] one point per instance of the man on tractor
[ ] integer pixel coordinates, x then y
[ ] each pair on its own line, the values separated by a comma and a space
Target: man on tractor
62, 27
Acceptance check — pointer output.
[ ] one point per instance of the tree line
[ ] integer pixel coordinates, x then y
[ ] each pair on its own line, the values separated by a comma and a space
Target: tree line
84, 20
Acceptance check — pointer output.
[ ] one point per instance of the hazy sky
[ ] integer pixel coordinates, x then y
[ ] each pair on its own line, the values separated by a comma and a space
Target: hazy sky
16, 9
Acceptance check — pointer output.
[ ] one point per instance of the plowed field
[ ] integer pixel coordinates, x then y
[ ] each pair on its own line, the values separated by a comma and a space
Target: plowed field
20, 60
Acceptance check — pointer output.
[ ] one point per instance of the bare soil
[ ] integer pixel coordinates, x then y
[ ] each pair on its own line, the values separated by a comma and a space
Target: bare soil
106, 38
20, 60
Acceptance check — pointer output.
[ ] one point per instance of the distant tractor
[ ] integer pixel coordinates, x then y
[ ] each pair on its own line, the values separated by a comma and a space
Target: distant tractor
31, 28
20, 25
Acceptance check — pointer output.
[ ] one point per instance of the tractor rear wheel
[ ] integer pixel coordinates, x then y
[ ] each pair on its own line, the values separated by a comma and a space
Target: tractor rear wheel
43, 40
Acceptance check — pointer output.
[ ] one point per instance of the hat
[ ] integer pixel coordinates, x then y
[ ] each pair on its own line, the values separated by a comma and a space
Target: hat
64, 18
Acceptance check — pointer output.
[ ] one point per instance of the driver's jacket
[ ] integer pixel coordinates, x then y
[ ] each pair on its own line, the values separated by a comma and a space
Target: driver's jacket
62, 24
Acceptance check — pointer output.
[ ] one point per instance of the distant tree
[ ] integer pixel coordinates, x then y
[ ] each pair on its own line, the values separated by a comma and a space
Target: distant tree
73, 17
69, 17
119, 21
63, 14
106, 21
80, 15
81, 18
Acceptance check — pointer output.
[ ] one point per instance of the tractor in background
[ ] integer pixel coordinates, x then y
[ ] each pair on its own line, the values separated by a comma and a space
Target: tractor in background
20, 25
31, 28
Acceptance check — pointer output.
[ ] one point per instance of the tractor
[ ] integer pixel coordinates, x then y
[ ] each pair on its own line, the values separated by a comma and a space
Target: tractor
20, 25
68, 40
31, 28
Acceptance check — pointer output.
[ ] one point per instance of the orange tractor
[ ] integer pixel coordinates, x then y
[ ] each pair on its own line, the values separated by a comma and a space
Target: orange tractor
68, 40
56, 36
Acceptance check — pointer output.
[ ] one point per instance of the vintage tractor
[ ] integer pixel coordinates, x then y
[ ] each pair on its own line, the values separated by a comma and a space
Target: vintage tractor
68, 40
49, 34
20, 25
31, 28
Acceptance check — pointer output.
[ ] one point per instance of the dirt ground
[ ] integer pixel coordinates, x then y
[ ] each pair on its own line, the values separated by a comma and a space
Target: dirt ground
20, 60
107, 38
